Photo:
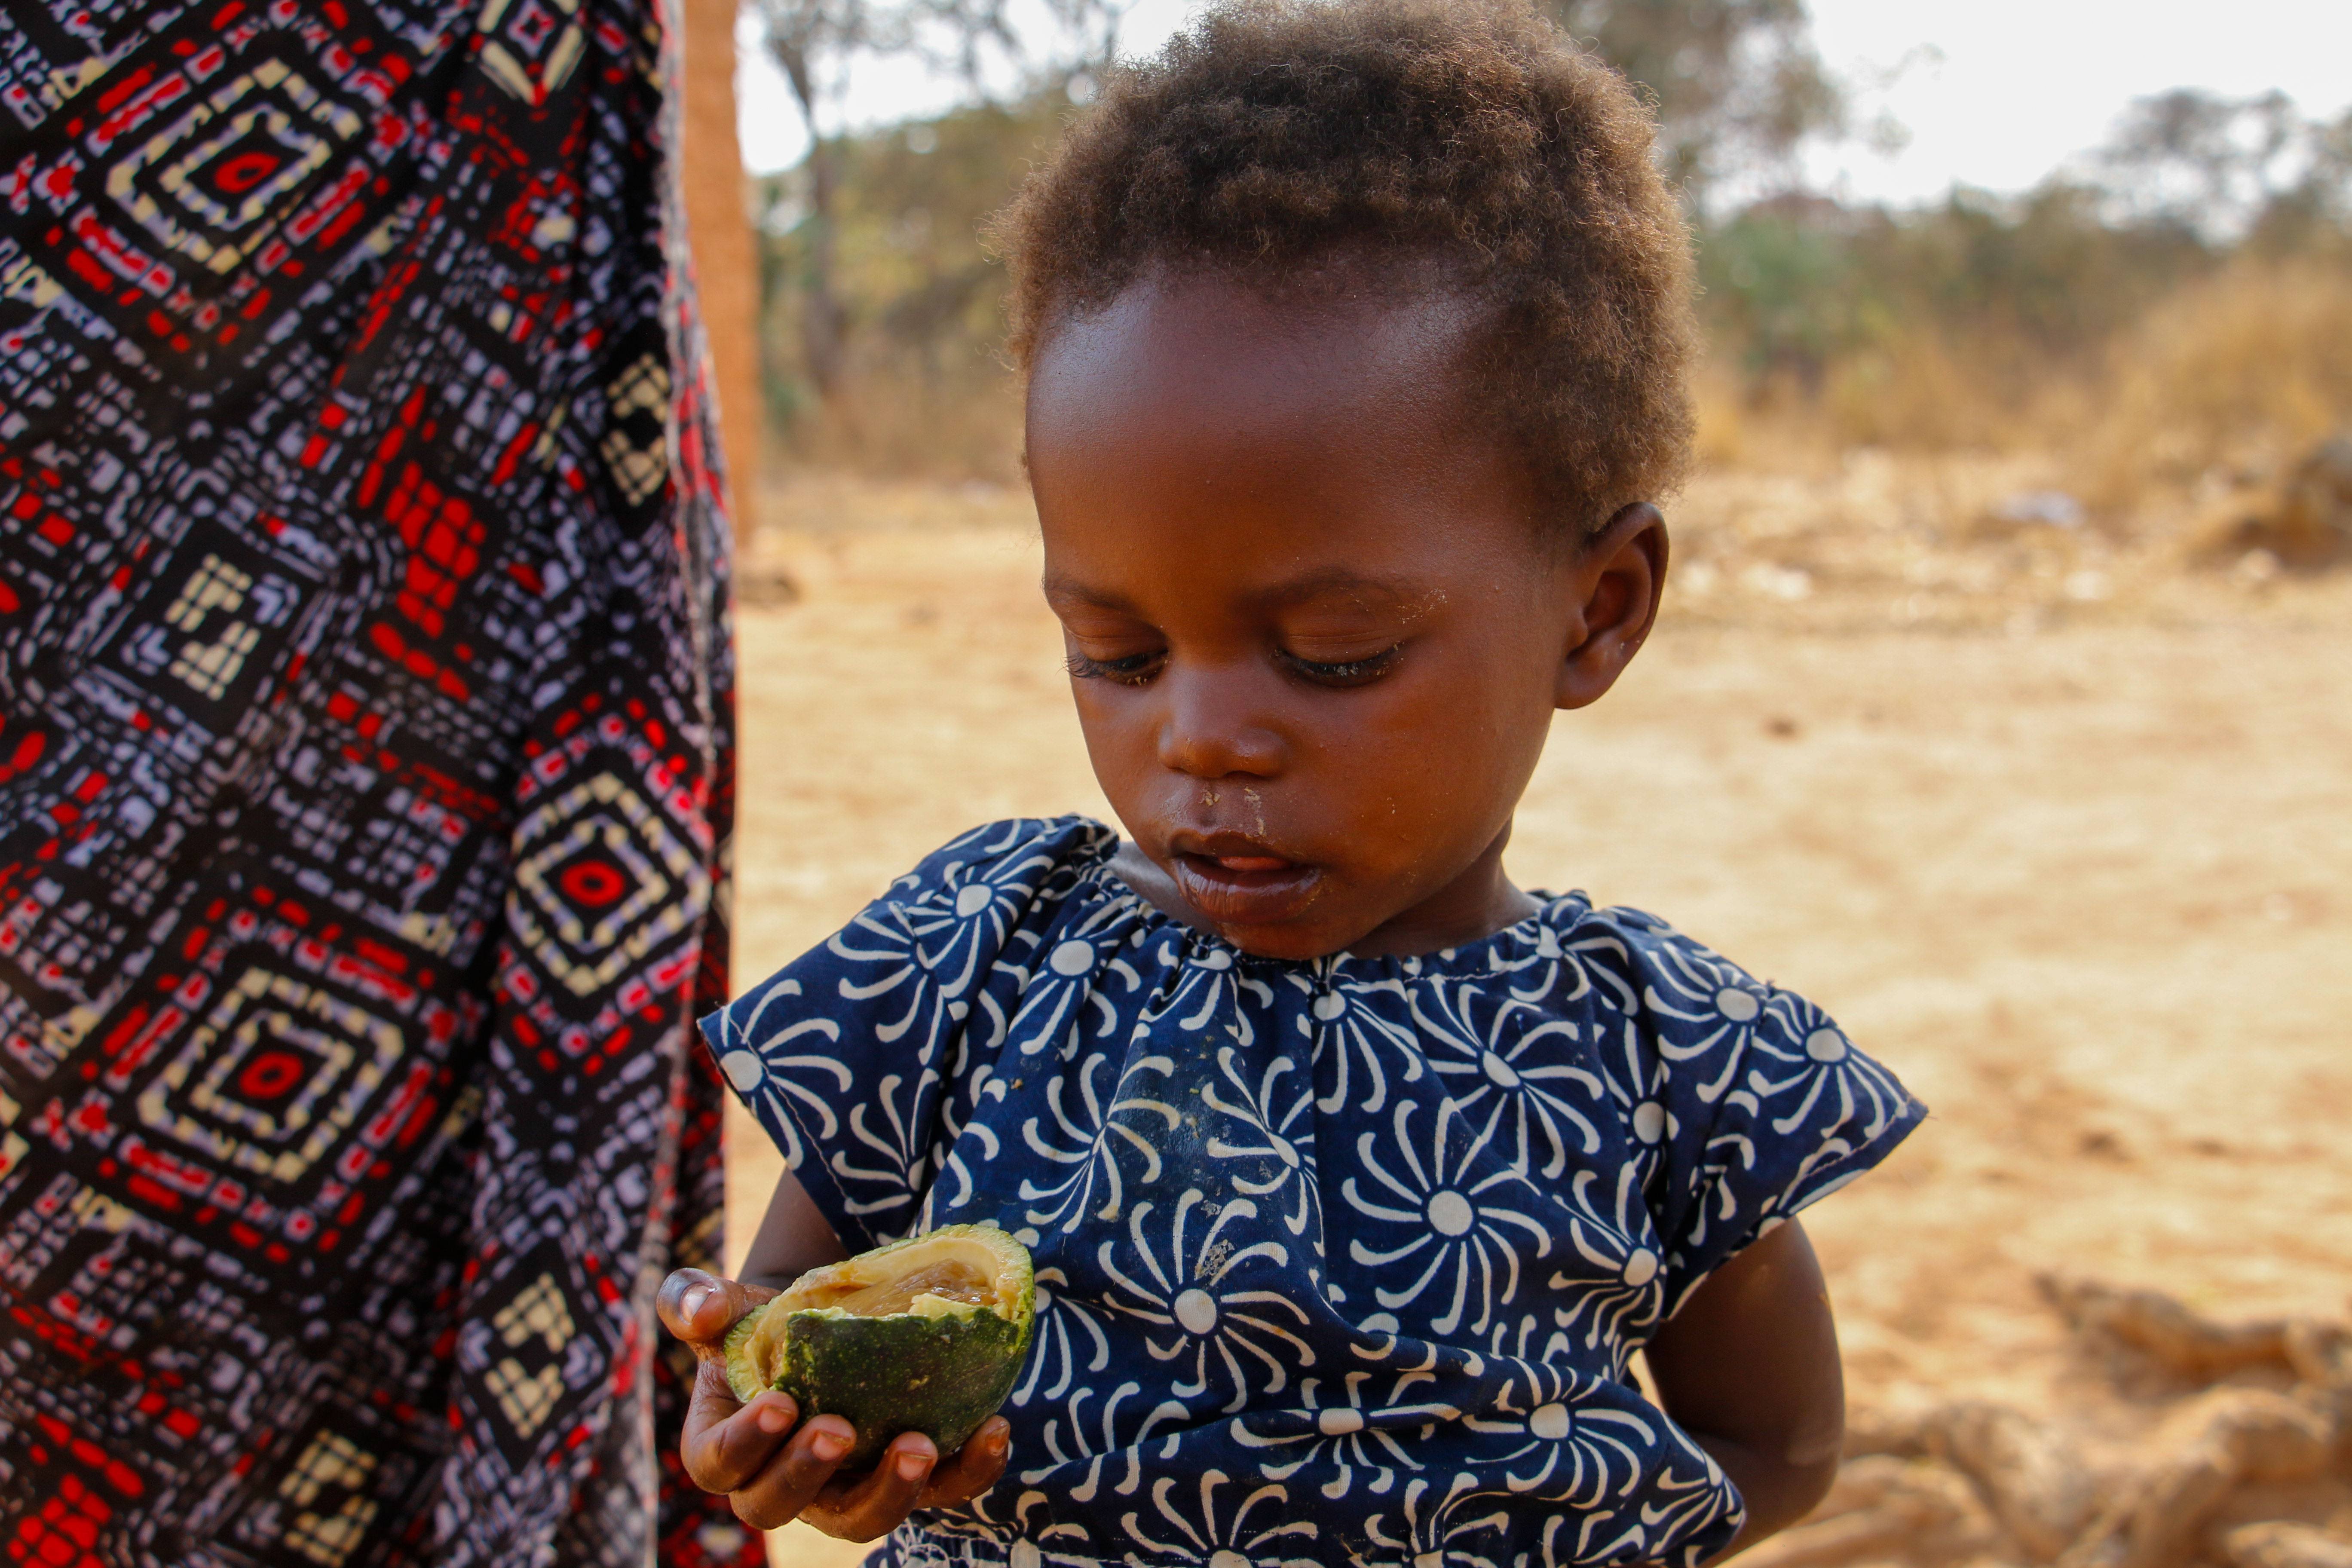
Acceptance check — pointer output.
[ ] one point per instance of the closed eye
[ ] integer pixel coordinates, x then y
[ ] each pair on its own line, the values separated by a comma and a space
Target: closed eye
1133, 669
1343, 673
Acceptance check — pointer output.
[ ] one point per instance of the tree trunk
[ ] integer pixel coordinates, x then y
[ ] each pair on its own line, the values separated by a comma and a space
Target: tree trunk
820, 324
726, 265
820, 311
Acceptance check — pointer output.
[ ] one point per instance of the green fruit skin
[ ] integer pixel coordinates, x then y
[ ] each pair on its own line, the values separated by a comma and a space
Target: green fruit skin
940, 1376
742, 1377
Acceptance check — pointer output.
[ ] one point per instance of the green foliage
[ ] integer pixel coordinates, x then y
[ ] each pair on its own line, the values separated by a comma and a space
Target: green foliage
919, 300
1737, 83
1948, 325
1965, 323
1794, 283
2225, 167
815, 44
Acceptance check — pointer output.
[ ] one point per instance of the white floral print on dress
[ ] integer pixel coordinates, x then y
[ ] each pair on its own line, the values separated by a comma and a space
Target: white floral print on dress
1337, 1262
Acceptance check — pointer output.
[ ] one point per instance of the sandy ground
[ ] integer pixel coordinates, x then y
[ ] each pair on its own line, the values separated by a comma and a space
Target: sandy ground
2075, 861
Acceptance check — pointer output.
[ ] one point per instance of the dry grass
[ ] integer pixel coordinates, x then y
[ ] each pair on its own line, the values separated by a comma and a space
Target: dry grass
2196, 411
2219, 386
890, 425
2232, 378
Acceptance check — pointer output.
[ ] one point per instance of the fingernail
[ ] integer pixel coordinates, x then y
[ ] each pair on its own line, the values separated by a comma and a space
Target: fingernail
911, 1467
689, 1304
773, 1418
828, 1447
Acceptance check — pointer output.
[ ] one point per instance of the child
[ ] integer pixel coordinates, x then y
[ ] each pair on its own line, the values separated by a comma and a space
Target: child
1354, 1175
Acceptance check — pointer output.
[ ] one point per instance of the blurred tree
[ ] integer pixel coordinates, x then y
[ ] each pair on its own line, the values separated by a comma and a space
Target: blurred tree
816, 42
2225, 167
1737, 82
2211, 161
2314, 214
1975, 322
918, 296
1847, 308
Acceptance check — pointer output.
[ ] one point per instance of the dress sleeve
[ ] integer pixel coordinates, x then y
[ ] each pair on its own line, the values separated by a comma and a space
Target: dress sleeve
851, 1056
1755, 1103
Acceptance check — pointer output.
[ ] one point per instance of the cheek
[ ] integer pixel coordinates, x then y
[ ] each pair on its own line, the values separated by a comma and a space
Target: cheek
1481, 699
1118, 729
1448, 754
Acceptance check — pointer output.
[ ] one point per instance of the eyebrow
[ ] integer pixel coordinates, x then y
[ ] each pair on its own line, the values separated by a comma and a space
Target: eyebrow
1325, 582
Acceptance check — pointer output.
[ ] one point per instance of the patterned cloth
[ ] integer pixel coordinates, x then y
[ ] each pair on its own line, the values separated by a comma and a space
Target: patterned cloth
364, 715
1340, 1261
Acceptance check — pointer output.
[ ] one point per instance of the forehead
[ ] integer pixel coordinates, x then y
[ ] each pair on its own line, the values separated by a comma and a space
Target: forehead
1245, 441
1211, 355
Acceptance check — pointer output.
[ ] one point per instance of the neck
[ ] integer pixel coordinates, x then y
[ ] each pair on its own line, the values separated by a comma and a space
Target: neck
1474, 906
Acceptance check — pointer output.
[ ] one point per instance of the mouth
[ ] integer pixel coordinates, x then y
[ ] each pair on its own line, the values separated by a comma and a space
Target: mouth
1234, 880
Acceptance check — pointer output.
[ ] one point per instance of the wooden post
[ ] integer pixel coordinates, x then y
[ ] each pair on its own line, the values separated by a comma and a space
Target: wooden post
726, 265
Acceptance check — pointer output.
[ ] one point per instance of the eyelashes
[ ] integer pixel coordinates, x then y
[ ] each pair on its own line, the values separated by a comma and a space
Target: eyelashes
1137, 668
1347, 672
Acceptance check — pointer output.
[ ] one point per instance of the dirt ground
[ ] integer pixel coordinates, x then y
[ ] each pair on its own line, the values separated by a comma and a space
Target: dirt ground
2071, 853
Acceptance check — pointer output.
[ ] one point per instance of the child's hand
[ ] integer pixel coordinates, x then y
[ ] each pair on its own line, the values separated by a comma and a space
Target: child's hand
770, 1480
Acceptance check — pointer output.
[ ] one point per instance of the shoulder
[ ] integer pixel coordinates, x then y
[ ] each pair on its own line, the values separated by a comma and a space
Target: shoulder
854, 1057
1653, 968
993, 891
1735, 1055
939, 926
983, 887
1020, 859
1704, 1036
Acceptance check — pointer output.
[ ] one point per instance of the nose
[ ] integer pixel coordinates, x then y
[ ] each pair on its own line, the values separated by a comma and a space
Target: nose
1213, 725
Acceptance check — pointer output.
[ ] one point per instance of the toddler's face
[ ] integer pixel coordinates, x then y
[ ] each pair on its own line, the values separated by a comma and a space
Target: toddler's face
1315, 642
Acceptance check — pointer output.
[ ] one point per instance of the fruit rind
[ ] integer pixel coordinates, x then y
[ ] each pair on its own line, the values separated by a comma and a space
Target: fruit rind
941, 1367
741, 1376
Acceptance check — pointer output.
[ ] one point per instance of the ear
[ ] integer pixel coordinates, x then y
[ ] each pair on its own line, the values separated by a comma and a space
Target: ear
1614, 582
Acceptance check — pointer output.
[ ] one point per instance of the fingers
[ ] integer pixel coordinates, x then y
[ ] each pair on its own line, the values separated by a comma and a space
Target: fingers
789, 1481
871, 1508
724, 1446
711, 1402
972, 1468
700, 1308
775, 1481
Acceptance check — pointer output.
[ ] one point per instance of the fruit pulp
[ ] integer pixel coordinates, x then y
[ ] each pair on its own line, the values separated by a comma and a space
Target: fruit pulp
951, 1278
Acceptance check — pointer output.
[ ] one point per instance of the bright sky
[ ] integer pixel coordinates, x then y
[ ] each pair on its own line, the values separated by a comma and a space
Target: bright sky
1995, 93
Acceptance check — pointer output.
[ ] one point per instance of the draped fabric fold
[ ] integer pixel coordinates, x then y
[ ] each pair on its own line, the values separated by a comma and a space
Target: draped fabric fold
365, 747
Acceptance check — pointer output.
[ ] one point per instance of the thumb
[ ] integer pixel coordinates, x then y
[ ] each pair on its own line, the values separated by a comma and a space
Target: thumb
699, 1308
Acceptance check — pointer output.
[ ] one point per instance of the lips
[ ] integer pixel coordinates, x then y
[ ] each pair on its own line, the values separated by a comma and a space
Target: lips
1236, 880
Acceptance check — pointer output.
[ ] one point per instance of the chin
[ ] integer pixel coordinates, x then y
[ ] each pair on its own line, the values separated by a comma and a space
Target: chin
1298, 945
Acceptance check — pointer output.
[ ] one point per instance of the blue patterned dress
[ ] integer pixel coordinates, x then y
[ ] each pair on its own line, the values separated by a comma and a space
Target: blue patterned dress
1338, 1261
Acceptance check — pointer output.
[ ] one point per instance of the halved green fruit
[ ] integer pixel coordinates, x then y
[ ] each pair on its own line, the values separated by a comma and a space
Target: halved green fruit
923, 1335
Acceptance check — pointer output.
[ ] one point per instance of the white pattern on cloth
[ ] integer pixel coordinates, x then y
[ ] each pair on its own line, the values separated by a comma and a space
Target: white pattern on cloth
1339, 1261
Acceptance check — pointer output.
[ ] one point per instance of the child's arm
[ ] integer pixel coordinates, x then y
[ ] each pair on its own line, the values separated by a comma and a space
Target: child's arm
1749, 1369
742, 1451
793, 1238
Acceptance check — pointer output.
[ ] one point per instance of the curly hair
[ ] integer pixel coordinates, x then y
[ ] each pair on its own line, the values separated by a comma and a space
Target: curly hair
1278, 138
